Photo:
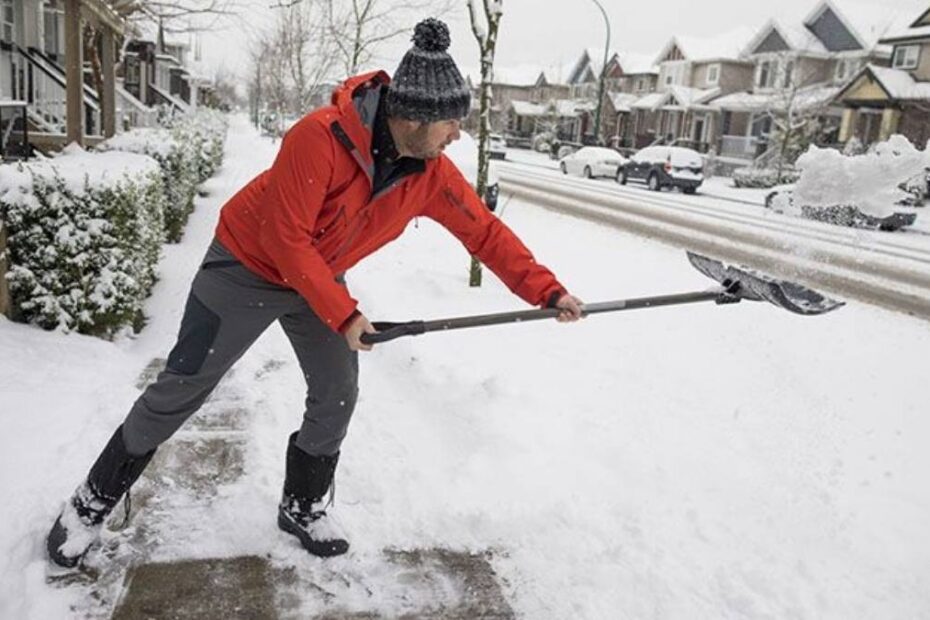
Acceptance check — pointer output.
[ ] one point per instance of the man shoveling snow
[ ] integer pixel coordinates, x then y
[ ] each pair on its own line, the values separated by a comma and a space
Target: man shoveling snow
346, 181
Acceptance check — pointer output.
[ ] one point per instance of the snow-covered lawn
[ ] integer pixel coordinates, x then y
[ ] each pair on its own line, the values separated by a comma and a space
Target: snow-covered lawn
689, 462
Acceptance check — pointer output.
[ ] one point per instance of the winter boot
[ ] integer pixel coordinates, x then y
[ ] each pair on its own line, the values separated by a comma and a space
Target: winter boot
78, 526
302, 511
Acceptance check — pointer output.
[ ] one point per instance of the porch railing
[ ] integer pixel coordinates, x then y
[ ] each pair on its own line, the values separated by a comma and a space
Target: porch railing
47, 95
742, 147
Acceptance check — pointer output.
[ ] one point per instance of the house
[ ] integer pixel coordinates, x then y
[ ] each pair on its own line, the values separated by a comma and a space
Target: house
880, 101
799, 69
691, 73
42, 67
528, 84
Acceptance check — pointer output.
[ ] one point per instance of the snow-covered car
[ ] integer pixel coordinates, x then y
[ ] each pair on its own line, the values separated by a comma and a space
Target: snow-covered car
665, 166
464, 154
498, 146
868, 190
592, 161
782, 200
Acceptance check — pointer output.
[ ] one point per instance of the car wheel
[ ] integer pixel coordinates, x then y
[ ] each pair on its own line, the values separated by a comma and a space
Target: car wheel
654, 184
587, 172
690, 190
621, 176
564, 168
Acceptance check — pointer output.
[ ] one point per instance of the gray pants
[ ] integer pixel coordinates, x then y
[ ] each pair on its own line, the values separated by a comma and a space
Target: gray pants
228, 309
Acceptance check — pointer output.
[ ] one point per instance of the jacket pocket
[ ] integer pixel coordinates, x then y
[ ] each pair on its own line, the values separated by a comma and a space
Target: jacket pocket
199, 328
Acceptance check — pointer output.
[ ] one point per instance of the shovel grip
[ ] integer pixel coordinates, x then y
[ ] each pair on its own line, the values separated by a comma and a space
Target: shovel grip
389, 331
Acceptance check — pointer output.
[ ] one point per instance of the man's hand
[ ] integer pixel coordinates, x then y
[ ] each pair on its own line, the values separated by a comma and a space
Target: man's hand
571, 308
354, 331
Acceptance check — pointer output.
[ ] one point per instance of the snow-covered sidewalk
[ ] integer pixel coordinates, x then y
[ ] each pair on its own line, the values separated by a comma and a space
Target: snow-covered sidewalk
698, 462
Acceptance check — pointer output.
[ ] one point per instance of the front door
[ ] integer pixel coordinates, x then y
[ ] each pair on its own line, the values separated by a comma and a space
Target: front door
697, 134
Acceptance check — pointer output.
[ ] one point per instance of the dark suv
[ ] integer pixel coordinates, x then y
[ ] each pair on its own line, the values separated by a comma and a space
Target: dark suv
665, 166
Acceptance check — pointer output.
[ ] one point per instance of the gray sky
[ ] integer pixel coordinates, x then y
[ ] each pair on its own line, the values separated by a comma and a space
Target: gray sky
549, 32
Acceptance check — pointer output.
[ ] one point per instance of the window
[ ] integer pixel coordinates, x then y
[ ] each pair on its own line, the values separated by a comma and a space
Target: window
845, 68
905, 56
7, 19
789, 74
766, 74
713, 75
761, 126
640, 84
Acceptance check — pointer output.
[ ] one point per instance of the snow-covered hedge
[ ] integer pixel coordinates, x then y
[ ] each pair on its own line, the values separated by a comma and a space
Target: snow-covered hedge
872, 182
189, 150
764, 178
205, 131
179, 170
84, 234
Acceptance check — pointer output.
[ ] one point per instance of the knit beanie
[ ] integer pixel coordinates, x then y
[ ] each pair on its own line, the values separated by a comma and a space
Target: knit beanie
427, 85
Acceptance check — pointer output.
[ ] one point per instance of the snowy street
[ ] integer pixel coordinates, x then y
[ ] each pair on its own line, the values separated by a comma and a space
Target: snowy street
689, 462
884, 268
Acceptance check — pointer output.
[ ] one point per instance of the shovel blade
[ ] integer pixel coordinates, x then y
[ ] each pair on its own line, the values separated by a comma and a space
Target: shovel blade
756, 286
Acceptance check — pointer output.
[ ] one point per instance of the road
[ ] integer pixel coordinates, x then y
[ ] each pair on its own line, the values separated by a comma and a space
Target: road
888, 269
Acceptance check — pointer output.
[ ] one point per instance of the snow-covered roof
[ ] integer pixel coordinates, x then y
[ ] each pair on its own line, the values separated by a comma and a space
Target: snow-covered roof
652, 101
687, 96
623, 102
904, 25
525, 108
569, 107
635, 62
804, 98
729, 44
796, 36
899, 84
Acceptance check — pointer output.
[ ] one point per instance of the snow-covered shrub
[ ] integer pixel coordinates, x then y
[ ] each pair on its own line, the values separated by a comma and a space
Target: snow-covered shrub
764, 178
84, 235
205, 131
870, 182
178, 161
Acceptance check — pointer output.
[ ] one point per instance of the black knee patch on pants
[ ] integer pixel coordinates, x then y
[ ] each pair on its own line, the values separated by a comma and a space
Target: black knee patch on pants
198, 331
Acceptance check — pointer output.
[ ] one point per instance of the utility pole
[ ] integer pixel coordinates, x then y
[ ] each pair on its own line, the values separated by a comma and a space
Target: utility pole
600, 82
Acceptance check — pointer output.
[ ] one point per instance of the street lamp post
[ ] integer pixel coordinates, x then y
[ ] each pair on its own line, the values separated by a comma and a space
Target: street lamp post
600, 82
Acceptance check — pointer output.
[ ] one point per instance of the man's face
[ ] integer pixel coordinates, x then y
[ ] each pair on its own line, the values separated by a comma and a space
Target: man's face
428, 140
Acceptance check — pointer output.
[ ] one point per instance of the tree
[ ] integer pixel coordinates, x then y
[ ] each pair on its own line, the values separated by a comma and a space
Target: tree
359, 27
485, 30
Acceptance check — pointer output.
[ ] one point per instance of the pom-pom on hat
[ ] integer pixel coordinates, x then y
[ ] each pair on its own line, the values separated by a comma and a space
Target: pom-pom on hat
427, 85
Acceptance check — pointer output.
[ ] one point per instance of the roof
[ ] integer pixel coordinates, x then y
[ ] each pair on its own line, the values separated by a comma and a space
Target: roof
899, 84
729, 44
872, 21
652, 101
525, 108
623, 102
905, 25
796, 36
809, 97
688, 97
637, 63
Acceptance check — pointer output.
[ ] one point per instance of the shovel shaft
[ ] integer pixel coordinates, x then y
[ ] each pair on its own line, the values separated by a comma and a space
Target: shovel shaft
390, 331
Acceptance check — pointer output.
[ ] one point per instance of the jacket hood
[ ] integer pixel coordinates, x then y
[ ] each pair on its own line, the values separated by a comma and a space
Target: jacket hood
357, 99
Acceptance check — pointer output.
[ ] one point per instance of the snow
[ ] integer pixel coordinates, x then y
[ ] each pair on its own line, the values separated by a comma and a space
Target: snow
726, 45
868, 181
689, 462
804, 98
900, 84
78, 168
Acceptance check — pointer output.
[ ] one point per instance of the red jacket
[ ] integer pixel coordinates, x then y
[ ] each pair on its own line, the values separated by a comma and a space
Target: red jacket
312, 214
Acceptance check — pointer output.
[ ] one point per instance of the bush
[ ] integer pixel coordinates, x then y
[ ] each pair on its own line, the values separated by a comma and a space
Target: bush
84, 235
189, 151
764, 178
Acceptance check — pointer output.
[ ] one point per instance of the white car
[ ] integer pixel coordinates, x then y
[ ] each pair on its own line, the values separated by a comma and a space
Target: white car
498, 147
593, 161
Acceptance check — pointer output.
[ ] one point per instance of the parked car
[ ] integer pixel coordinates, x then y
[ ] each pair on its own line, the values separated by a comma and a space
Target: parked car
498, 147
592, 161
781, 200
665, 166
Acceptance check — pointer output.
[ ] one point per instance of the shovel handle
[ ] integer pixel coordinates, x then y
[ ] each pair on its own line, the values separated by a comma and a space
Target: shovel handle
389, 331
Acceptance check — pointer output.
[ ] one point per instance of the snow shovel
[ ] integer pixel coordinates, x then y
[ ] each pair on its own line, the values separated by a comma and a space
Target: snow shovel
735, 285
